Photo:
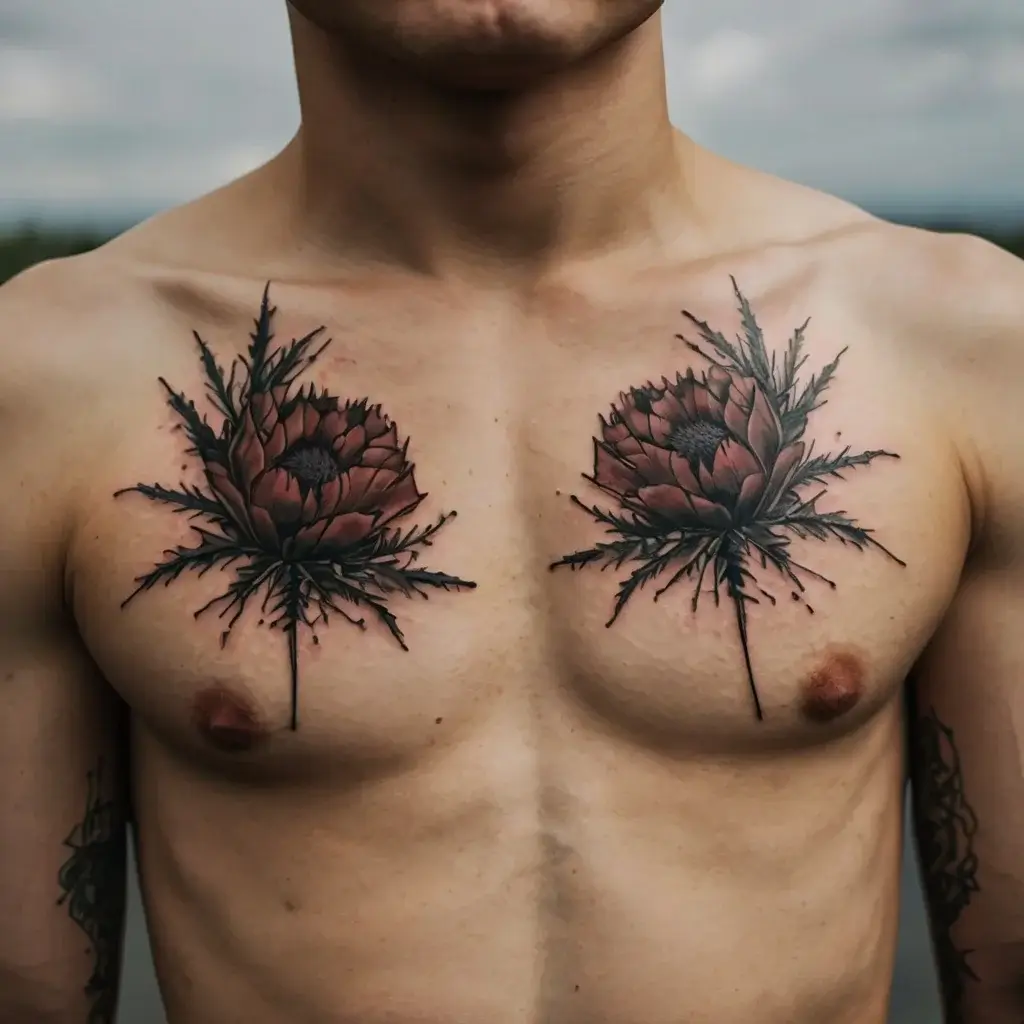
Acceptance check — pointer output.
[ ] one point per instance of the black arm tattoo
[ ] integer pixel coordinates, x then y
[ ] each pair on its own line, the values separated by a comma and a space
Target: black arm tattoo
92, 882
946, 825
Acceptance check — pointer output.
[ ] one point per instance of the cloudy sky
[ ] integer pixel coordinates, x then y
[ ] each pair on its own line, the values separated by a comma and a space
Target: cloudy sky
115, 108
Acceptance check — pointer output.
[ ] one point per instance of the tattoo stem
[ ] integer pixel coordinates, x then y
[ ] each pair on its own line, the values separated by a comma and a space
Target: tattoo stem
741, 624
292, 630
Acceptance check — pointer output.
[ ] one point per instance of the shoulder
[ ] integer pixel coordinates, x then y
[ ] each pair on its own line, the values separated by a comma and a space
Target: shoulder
960, 296
74, 335
951, 309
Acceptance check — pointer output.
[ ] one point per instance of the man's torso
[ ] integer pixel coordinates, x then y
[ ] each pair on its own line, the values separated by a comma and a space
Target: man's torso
529, 814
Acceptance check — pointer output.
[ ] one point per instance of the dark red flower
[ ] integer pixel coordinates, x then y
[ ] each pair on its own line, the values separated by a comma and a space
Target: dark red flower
309, 476
697, 451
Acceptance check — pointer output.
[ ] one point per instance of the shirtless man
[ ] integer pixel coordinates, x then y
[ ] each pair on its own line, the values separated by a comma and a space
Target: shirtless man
667, 791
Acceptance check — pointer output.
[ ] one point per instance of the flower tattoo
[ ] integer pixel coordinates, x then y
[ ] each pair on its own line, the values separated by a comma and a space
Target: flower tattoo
302, 500
709, 474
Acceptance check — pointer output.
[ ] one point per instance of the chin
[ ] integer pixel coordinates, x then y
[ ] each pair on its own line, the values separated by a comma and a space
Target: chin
484, 44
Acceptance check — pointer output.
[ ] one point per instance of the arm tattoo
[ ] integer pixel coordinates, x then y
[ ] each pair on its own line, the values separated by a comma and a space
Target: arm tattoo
302, 497
946, 826
92, 882
710, 477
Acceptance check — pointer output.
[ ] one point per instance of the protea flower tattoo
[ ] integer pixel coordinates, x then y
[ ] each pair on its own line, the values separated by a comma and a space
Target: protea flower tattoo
303, 497
710, 473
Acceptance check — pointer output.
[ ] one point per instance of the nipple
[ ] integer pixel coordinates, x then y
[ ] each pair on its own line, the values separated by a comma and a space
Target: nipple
227, 720
834, 687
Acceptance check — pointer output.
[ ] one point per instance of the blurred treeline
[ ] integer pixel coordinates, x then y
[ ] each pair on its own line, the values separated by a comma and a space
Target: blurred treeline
22, 247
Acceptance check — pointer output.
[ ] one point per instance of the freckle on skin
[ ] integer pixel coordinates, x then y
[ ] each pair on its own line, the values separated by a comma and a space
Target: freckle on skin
834, 686
227, 720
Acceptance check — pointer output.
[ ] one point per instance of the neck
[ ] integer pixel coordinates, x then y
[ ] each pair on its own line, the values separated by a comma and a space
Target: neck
438, 180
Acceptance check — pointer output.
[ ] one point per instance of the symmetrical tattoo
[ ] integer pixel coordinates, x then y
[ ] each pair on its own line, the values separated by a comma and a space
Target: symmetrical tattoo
946, 826
92, 883
709, 472
302, 499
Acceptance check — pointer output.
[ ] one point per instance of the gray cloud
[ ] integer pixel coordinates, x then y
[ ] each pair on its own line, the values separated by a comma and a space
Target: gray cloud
111, 106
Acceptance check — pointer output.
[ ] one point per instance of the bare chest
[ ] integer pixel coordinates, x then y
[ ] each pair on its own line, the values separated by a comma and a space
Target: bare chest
719, 528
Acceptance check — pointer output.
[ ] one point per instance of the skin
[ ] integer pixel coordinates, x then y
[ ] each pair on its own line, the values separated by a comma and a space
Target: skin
527, 816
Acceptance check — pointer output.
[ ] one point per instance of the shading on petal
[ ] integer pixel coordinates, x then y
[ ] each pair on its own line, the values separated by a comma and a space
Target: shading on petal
639, 423
734, 462
654, 464
612, 473
763, 429
330, 495
737, 408
719, 381
668, 500
248, 456
293, 425
668, 407
263, 527
787, 461
278, 492
349, 445
231, 497
402, 497
277, 441
711, 513
749, 496
684, 474
348, 528
356, 482
376, 423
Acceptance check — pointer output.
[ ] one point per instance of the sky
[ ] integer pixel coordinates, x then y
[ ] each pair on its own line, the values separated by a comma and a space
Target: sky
110, 108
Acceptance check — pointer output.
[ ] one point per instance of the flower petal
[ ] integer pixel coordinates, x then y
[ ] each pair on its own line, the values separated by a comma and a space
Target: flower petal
247, 454
614, 431
349, 445
738, 406
383, 458
310, 508
764, 431
387, 439
711, 513
787, 461
653, 464
362, 485
263, 527
400, 498
348, 528
684, 474
330, 495
293, 424
220, 482
277, 442
684, 392
669, 407
639, 423
719, 381
749, 496
612, 473
376, 422
734, 462
278, 492
667, 500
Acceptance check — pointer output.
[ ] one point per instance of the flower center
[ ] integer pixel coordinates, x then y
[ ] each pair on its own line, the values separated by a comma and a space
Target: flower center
697, 440
311, 465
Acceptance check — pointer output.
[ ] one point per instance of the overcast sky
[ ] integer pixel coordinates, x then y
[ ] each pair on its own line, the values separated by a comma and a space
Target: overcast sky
117, 107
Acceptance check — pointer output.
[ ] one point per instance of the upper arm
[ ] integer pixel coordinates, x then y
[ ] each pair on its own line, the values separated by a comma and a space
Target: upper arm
62, 791
967, 707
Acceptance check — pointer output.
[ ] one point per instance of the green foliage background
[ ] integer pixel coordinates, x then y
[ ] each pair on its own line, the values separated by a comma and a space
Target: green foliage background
22, 247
